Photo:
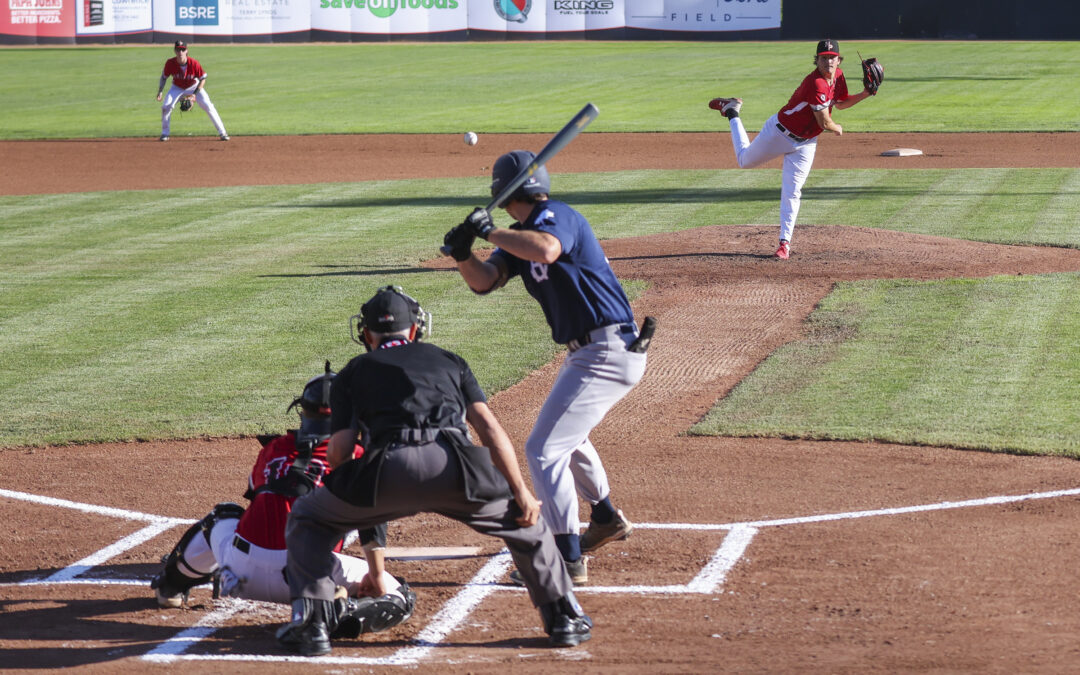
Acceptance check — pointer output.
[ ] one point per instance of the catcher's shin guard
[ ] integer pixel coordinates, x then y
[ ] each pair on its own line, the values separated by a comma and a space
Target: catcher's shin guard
356, 616
175, 581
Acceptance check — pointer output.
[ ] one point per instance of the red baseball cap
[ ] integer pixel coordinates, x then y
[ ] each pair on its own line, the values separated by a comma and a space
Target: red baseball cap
828, 47
180, 44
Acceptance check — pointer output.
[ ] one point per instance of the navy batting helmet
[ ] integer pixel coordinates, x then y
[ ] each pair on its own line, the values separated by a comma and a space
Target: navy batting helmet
510, 165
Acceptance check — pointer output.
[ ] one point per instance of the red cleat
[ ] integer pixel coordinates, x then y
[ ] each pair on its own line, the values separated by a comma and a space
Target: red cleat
784, 252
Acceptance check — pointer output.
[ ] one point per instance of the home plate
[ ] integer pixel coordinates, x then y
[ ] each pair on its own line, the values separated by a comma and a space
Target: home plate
901, 152
431, 552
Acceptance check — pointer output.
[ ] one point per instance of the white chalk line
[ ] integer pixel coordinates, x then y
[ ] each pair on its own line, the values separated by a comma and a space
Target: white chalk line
483, 584
803, 520
92, 508
442, 624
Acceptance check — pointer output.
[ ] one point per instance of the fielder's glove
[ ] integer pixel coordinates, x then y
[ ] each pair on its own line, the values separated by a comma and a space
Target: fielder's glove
186, 103
872, 75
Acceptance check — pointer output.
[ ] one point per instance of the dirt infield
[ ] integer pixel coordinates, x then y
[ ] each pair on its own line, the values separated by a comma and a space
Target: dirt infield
751, 555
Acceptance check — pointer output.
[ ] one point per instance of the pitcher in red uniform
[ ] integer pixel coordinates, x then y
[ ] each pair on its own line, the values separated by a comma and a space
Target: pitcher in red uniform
188, 79
792, 132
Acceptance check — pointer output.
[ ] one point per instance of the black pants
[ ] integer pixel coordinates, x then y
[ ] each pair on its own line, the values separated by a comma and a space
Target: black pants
416, 479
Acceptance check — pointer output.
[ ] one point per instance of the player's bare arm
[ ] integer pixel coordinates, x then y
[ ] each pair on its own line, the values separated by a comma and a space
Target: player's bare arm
529, 245
825, 121
494, 437
341, 447
853, 99
482, 276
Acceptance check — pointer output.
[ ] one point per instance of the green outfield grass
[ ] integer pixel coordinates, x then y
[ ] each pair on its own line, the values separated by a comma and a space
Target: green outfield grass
161, 314
170, 314
988, 364
532, 86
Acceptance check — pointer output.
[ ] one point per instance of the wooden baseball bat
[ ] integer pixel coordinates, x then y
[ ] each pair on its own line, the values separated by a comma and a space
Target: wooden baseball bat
559, 141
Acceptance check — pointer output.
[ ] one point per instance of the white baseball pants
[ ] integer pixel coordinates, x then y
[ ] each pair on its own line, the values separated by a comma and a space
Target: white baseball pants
562, 460
202, 98
257, 573
771, 143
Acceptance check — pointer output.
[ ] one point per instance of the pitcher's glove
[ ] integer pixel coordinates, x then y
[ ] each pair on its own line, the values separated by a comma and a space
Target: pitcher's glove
186, 103
872, 75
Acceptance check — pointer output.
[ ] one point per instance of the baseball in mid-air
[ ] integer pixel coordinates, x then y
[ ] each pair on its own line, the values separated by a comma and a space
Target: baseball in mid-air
471, 138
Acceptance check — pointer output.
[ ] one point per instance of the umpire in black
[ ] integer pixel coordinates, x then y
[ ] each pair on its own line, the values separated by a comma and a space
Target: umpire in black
407, 402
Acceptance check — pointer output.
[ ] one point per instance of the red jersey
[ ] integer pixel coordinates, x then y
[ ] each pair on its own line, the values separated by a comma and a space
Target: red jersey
815, 93
184, 76
263, 524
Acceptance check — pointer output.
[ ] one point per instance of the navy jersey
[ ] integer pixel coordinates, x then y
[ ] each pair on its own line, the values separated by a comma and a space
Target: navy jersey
578, 292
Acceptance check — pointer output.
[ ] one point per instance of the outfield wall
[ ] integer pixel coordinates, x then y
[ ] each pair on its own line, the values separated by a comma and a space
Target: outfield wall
157, 21
80, 21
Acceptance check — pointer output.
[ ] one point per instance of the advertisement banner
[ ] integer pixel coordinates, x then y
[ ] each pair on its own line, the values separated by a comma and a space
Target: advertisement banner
229, 18
110, 17
389, 17
703, 15
38, 18
585, 15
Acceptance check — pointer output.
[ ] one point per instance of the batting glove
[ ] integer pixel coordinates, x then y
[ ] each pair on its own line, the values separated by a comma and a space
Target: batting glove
479, 223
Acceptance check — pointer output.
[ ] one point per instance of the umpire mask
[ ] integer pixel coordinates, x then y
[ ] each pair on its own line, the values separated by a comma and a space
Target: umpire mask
390, 310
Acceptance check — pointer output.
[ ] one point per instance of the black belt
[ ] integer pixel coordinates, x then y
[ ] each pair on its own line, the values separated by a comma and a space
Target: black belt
586, 339
406, 436
783, 130
241, 545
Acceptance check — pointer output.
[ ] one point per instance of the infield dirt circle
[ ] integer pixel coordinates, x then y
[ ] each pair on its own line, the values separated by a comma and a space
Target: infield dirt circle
751, 555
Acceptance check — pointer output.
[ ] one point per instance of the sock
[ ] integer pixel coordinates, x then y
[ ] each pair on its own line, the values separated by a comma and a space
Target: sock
603, 512
731, 114
569, 546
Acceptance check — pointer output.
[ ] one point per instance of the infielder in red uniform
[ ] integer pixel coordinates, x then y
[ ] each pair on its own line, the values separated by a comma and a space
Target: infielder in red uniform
245, 549
188, 79
792, 132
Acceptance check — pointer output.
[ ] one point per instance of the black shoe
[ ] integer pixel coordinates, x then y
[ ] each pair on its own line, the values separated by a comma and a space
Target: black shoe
565, 622
307, 633
570, 631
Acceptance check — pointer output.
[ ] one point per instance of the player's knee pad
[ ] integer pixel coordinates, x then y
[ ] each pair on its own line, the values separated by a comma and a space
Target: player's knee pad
179, 576
356, 616
171, 579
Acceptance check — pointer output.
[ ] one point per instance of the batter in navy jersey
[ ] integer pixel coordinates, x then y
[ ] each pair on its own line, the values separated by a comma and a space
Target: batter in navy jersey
554, 251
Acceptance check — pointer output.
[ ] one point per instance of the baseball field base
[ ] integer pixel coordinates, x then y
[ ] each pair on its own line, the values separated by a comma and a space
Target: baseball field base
901, 152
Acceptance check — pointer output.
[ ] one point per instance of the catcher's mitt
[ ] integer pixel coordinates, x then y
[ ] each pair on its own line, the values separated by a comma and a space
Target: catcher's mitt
872, 74
186, 103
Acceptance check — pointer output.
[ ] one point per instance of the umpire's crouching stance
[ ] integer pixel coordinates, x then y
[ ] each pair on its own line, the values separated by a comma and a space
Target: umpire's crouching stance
408, 402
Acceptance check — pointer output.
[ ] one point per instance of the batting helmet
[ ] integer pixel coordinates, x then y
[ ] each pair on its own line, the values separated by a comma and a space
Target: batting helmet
316, 397
509, 166
388, 311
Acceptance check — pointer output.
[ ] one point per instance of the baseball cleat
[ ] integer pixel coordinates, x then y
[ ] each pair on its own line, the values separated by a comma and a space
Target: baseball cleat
166, 596
578, 570
224, 137
598, 534
784, 251
728, 106
163, 138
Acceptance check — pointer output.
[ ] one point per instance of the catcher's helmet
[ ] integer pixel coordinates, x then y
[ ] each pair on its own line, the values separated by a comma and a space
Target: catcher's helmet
316, 397
510, 165
390, 310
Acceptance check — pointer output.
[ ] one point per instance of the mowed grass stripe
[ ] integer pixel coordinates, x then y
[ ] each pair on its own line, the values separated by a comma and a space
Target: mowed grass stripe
986, 364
